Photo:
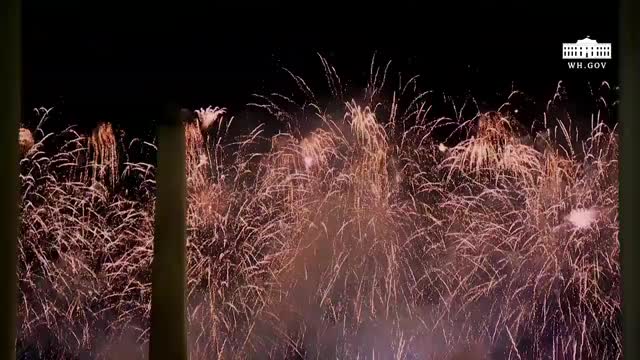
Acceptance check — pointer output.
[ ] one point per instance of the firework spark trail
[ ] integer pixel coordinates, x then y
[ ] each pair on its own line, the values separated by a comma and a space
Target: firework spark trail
364, 238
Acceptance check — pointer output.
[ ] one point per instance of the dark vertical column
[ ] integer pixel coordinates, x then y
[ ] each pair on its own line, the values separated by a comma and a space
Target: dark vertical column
168, 311
10, 98
629, 117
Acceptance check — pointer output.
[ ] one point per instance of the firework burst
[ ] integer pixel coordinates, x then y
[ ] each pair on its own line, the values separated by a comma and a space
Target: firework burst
366, 237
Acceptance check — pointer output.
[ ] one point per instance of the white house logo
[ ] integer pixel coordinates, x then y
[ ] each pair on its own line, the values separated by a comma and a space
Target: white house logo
586, 49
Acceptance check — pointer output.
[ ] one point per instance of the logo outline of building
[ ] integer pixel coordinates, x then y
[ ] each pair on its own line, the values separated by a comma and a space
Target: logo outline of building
586, 49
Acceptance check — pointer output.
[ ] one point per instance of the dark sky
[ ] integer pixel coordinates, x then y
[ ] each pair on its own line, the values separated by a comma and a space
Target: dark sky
119, 64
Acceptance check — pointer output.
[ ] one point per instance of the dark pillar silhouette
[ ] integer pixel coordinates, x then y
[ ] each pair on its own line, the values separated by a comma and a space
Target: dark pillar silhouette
10, 95
168, 310
629, 53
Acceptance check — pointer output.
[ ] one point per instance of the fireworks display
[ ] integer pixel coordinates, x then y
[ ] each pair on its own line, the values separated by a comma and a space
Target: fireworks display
370, 236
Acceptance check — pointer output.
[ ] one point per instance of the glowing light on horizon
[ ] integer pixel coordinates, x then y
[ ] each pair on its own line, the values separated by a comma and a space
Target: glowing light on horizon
582, 218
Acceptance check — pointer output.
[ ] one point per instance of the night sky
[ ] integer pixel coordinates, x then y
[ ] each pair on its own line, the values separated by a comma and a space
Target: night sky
119, 65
